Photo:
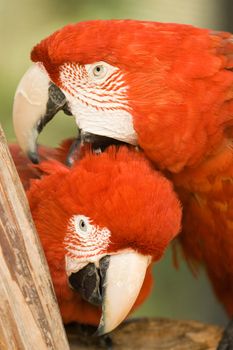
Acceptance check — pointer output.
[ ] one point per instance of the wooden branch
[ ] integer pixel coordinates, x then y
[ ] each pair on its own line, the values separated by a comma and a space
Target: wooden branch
29, 315
148, 334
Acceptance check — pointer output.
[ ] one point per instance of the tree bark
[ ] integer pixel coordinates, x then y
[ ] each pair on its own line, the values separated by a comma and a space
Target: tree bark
148, 334
29, 315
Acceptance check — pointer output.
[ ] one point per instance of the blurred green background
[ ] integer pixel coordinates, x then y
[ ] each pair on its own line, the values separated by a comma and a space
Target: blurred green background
176, 294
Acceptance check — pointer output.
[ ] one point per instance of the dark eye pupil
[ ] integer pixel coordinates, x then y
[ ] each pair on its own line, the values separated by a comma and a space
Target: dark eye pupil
82, 223
98, 68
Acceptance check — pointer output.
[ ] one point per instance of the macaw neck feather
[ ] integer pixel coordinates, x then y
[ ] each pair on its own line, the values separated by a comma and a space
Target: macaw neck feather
206, 193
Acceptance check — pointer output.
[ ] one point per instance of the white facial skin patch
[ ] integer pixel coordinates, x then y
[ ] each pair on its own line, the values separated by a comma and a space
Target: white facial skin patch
84, 243
97, 97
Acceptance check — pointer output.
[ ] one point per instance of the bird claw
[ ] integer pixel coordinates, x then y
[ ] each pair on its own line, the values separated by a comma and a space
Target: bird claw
226, 343
85, 336
106, 342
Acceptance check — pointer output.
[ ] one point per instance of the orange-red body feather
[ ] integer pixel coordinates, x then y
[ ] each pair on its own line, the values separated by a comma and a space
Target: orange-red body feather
206, 193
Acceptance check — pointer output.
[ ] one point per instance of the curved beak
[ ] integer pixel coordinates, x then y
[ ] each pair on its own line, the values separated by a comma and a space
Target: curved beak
124, 279
36, 102
114, 284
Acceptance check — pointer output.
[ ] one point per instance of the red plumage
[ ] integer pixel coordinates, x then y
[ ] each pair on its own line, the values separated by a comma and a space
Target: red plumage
184, 73
118, 189
179, 89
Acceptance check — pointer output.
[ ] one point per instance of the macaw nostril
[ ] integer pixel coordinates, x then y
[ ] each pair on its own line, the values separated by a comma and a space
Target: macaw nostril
89, 281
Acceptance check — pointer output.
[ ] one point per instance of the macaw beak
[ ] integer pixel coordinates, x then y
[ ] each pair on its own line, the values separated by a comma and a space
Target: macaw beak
114, 284
36, 102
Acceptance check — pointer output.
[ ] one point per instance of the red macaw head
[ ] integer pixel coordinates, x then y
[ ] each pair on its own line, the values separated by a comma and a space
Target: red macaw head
147, 83
102, 223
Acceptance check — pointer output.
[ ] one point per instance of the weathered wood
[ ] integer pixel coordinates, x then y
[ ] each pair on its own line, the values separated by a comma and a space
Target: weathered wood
29, 315
148, 334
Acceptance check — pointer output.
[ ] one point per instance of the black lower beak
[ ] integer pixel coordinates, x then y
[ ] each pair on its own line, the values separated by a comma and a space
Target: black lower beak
98, 144
89, 281
56, 102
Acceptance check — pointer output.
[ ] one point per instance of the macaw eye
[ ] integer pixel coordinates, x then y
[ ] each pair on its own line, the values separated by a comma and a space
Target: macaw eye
82, 225
99, 71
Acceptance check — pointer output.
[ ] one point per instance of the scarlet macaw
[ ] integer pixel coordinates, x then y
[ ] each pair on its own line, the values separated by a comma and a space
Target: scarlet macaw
102, 223
165, 87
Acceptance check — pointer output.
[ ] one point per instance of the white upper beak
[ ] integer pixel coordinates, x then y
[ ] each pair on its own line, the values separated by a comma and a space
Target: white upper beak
37, 100
123, 282
30, 105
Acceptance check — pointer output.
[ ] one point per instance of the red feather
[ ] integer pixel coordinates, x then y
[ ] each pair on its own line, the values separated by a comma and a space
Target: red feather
185, 74
118, 189
179, 80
